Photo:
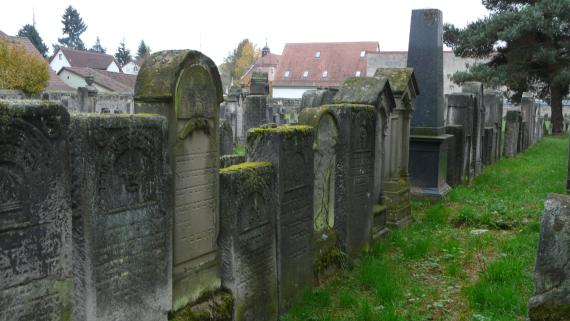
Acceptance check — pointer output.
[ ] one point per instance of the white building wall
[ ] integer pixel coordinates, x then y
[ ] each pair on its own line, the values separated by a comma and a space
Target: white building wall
76, 81
113, 67
59, 61
290, 92
131, 68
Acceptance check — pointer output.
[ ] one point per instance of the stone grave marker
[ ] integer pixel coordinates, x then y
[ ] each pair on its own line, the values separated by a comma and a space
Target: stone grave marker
122, 225
476, 89
226, 138
512, 133
317, 97
460, 114
255, 112
259, 83
35, 212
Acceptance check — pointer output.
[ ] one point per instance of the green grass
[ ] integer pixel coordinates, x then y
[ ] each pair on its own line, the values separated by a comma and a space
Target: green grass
436, 269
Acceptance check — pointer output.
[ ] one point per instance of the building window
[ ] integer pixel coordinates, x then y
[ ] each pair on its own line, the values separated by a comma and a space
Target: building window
135, 68
59, 56
286, 75
362, 54
325, 74
305, 74
318, 54
357, 73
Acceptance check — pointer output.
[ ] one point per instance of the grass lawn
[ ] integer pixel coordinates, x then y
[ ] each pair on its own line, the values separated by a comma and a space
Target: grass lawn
469, 256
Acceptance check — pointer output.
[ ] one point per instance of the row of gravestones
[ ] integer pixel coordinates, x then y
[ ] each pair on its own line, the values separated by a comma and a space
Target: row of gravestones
475, 119
112, 217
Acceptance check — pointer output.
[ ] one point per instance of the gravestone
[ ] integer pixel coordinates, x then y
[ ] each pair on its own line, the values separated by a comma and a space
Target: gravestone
396, 194
493, 120
247, 240
255, 112
35, 212
551, 300
456, 145
512, 132
476, 89
317, 97
460, 114
488, 145
232, 159
528, 117
375, 92
289, 149
122, 225
234, 102
428, 141
226, 138
185, 86
259, 83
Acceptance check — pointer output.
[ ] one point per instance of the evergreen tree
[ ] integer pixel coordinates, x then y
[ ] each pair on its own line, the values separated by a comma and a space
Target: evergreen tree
527, 41
143, 50
123, 55
97, 47
30, 32
73, 27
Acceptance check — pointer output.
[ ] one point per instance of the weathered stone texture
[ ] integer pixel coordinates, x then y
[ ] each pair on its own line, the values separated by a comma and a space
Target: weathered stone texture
226, 138
317, 97
551, 300
289, 149
247, 240
460, 113
232, 159
121, 220
255, 112
476, 89
35, 212
512, 132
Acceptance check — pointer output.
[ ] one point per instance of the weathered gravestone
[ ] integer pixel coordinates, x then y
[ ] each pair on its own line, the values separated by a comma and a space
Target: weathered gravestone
488, 145
255, 112
247, 240
259, 83
226, 138
428, 141
396, 194
185, 86
317, 97
375, 92
476, 89
232, 159
35, 212
460, 108
122, 224
494, 118
551, 300
234, 103
528, 119
289, 149
512, 133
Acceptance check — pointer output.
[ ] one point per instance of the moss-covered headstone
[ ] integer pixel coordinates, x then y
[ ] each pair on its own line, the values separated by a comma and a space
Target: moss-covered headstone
35, 212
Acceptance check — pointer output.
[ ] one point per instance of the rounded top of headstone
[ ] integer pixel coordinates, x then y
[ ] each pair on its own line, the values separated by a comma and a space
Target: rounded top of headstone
159, 74
366, 91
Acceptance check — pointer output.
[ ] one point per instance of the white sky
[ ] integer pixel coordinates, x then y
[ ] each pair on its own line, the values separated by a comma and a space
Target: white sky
216, 26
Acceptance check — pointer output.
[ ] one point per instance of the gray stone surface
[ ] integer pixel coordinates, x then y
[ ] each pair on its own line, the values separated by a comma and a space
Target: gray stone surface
551, 299
476, 89
317, 97
528, 111
456, 155
512, 132
425, 55
255, 112
259, 84
35, 212
232, 159
488, 145
247, 240
460, 109
122, 225
289, 149
185, 86
226, 138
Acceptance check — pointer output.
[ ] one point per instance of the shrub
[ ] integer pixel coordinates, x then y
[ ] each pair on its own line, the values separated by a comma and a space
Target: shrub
22, 70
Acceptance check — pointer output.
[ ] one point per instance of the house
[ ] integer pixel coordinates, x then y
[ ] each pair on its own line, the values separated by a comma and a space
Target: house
104, 81
65, 57
399, 59
304, 66
268, 63
54, 83
133, 66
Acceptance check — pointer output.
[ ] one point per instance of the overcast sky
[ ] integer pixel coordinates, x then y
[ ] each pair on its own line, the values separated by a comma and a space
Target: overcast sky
216, 26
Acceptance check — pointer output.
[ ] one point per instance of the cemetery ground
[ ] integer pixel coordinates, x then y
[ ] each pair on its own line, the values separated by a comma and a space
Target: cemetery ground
469, 256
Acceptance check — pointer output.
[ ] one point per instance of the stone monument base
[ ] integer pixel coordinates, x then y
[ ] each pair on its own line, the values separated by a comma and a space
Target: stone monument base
428, 165
397, 200
380, 222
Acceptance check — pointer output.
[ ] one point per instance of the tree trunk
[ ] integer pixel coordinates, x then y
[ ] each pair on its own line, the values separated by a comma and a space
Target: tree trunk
556, 108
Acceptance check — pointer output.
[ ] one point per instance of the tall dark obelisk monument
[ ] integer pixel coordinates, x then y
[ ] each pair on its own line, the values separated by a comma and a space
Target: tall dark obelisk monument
428, 141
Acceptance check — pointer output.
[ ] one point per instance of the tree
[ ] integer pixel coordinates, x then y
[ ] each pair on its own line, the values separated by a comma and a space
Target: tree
143, 50
238, 61
528, 43
30, 32
97, 47
123, 55
22, 70
73, 27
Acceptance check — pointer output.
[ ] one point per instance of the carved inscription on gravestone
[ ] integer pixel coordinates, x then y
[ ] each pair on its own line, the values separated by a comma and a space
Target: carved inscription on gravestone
35, 213
325, 173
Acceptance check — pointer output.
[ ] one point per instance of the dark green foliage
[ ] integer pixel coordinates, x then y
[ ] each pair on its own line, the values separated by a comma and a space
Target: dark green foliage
73, 27
528, 43
32, 34
123, 55
97, 47
143, 50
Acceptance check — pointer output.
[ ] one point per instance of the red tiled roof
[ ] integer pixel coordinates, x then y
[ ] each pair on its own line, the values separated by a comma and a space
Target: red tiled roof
54, 83
341, 60
114, 81
90, 59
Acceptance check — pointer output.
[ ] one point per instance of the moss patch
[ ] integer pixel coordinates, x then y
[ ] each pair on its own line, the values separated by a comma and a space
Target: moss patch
244, 166
212, 306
